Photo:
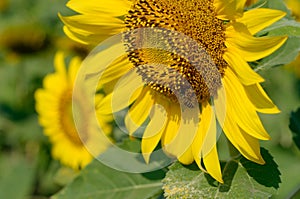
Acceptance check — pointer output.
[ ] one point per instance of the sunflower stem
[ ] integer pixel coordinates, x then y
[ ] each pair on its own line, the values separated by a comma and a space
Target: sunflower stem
234, 153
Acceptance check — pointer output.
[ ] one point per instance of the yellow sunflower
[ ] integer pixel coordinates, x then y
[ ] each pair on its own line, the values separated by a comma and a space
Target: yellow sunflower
54, 106
294, 5
226, 32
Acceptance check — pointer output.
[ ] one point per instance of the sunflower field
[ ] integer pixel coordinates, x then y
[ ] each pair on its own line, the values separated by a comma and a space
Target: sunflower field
149, 99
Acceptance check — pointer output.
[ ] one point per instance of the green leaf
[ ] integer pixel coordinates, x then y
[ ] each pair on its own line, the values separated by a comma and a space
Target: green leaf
283, 27
267, 174
182, 182
100, 181
295, 126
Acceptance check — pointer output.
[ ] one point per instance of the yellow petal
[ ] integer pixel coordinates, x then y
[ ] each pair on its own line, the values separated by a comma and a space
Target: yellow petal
52, 80
252, 48
73, 69
203, 129
139, 112
88, 29
229, 9
244, 143
212, 164
242, 109
258, 19
92, 24
59, 64
187, 157
241, 68
105, 65
260, 99
115, 70
176, 140
208, 150
71, 33
172, 125
154, 131
125, 93
113, 8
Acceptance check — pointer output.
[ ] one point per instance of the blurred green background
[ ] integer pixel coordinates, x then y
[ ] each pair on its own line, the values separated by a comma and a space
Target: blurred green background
30, 34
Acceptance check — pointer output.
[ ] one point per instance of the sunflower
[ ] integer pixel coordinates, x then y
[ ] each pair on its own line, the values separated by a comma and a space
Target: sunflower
294, 5
225, 32
54, 107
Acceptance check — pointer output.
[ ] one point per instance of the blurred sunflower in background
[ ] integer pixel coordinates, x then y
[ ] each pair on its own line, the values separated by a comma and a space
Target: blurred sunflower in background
294, 5
226, 33
54, 107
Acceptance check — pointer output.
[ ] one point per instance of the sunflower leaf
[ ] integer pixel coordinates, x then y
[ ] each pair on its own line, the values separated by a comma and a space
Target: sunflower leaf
295, 126
100, 181
183, 182
267, 174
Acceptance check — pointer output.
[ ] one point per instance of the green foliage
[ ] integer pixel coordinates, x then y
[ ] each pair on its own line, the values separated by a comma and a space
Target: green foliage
289, 51
284, 27
295, 126
267, 174
182, 182
100, 181
16, 172
25, 160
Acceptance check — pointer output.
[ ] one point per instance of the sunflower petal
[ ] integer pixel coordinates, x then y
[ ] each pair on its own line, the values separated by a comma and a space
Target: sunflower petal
242, 69
260, 99
252, 48
89, 29
113, 8
203, 129
212, 164
125, 93
154, 131
208, 148
229, 9
116, 70
244, 143
172, 125
187, 157
258, 19
243, 111
177, 141
139, 112
73, 69
59, 64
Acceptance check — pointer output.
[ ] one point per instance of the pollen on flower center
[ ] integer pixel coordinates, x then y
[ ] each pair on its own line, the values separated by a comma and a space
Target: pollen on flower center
67, 122
195, 19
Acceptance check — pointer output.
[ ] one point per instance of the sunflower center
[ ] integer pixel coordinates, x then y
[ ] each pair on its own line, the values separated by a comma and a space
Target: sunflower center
67, 121
195, 19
